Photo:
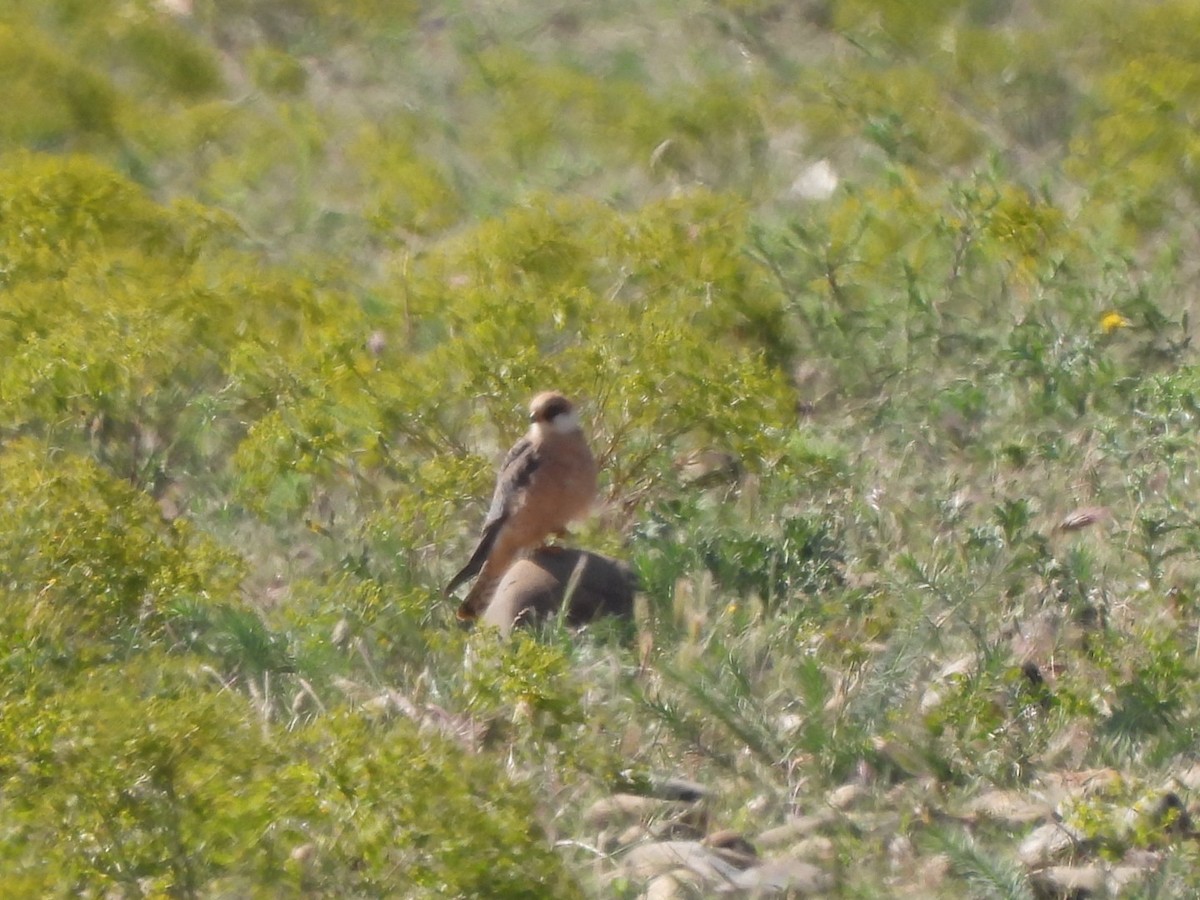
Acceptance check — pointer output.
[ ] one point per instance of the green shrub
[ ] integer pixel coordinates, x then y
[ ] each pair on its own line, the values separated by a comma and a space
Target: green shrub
145, 778
88, 561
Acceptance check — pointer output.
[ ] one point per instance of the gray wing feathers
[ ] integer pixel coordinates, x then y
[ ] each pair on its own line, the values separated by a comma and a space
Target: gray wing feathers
515, 473
516, 470
482, 549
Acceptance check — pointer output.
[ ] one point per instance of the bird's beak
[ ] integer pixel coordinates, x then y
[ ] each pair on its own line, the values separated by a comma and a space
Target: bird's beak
533, 417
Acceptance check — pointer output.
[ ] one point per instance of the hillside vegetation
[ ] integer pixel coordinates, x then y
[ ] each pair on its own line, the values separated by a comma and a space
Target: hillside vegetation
878, 314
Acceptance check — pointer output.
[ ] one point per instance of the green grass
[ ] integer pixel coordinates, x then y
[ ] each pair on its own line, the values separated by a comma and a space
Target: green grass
277, 279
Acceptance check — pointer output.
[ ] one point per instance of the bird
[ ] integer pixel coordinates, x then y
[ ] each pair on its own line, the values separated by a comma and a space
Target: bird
547, 479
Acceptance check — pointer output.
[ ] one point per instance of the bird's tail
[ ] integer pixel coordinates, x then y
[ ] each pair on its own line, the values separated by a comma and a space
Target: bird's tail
478, 598
486, 541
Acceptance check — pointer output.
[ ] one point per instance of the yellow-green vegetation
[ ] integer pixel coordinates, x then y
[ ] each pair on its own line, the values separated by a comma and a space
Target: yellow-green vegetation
278, 278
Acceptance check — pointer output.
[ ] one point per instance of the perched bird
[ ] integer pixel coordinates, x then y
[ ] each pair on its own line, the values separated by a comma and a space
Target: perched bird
547, 479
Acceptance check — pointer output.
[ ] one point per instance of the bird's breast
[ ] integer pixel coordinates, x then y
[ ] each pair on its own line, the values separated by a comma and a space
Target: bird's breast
566, 479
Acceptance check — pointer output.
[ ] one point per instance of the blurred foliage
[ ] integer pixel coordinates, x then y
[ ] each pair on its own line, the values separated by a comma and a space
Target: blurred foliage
88, 560
145, 779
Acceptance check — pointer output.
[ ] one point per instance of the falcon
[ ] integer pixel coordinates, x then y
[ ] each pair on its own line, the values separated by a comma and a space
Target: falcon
547, 479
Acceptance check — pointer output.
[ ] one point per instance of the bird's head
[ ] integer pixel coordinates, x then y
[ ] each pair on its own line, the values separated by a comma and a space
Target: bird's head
551, 411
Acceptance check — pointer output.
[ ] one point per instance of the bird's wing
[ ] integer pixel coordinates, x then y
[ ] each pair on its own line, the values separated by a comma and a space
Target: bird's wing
516, 470
479, 557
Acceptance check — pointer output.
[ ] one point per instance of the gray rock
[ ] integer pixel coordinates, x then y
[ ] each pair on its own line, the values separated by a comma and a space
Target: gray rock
534, 589
793, 876
1189, 777
1121, 878
847, 796
627, 809
678, 789
1060, 787
650, 860
664, 887
1070, 881
796, 828
634, 834
817, 847
1048, 843
732, 841
1010, 808
1088, 881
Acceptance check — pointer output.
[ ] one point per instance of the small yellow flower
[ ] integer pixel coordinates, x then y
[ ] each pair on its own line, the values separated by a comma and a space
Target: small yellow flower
1111, 321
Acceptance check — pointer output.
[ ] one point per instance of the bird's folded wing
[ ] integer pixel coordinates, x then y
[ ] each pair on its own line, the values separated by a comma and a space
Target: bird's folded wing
515, 472
479, 557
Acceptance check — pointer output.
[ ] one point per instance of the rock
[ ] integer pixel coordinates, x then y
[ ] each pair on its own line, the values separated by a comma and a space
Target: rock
675, 885
1010, 808
618, 809
683, 828
796, 828
846, 796
1190, 777
1063, 786
301, 702
624, 809
664, 887
678, 789
663, 857
607, 841
797, 877
704, 468
878, 824
900, 852
1083, 517
1142, 858
933, 872
817, 847
673, 829
757, 806
340, 636
304, 853
733, 848
916, 793
902, 758
817, 181
1036, 638
952, 671
921, 881
634, 834
632, 818
534, 588
1122, 877
1048, 843
1084, 783
1070, 881
730, 840
1069, 748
